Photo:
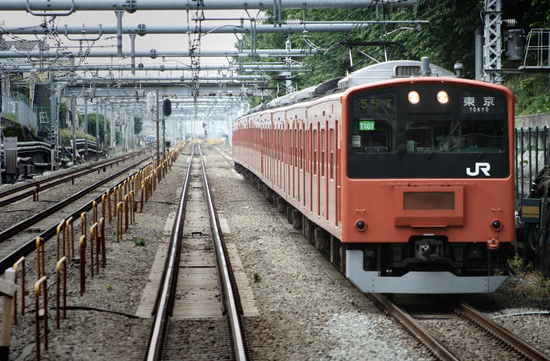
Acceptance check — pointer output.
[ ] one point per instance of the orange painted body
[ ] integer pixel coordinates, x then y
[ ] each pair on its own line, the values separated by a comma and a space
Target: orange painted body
300, 152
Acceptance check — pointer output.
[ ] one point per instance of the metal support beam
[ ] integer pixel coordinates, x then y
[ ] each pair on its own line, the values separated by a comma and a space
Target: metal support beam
164, 67
67, 7
62, 54
206, 90
286, 28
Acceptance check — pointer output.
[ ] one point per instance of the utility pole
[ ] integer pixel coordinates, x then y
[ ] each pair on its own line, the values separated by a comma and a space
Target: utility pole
75, 118
98, 145
157, 123
86, 128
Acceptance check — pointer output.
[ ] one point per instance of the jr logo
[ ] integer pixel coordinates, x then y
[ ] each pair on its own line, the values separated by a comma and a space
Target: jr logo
484, 167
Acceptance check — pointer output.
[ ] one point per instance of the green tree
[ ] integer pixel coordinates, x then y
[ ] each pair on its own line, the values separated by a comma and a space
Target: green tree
138, 124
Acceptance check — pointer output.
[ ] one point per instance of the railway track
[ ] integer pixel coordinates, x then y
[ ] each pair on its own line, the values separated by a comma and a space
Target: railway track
198, 289
18, 240
480, 335
33, 188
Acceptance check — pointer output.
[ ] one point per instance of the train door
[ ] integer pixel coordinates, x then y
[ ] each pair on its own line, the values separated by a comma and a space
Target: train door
322, 194
331, 186
309, 170
301, 176
289, 160
316, 175
295, 176
338, 215
262, 150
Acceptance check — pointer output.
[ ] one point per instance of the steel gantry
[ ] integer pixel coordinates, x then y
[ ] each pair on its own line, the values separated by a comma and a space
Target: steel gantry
492, 48
66, 64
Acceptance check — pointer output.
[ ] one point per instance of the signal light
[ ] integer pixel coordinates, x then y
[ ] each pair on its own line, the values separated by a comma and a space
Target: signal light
442, 97
414, 97
166, 107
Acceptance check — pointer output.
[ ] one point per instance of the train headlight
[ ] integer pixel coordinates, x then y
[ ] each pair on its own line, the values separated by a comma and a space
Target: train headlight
442, 97
360, 225
414, 97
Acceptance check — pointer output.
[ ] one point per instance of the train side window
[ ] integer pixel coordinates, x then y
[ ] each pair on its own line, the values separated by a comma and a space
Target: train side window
315, 151
331, 140
373, 136
323, 151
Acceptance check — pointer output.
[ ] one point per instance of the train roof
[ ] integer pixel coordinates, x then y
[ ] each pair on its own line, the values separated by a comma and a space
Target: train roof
370, 74
392, 69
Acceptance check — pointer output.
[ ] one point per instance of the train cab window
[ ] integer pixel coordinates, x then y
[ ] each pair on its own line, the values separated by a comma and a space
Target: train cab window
468, 136
373, 136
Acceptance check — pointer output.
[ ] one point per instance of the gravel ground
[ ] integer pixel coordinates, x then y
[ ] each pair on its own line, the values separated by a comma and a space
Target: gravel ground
307, 310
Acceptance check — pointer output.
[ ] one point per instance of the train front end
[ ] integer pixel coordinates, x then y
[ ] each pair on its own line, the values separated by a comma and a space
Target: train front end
427, 185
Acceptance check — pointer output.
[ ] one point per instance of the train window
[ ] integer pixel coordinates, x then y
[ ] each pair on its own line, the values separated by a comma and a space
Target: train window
331, 141
468, 136
315, 152
373, 136
323, 146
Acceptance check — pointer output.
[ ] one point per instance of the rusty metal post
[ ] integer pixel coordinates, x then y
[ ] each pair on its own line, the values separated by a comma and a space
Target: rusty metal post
94, 212
83, 223
41, 284
40, 257
69, 224
126, 210
16, 265
102, 235
109, 205
103, 206
119, 222
115, 198
60, 231
93, 240
132, 207
142, 200
61, 263
82, 265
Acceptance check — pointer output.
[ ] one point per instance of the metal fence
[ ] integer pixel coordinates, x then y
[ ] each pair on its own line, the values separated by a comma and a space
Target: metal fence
21, 110
531, 156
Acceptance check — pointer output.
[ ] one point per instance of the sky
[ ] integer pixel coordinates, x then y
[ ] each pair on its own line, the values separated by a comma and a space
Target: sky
145, 43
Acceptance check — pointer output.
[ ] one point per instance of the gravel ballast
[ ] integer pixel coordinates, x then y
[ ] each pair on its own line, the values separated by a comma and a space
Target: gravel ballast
307, 310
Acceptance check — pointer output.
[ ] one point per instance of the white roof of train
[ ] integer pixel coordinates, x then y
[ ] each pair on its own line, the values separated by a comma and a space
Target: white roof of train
372, 73
389, 70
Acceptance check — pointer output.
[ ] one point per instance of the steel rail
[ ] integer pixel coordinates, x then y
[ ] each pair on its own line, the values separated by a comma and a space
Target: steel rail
231, 301
501, 333
164, 302
415, 328
52, 181
30, 246
9, 232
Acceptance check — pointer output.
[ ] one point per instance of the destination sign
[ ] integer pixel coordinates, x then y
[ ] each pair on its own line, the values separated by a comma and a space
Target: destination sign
477, 102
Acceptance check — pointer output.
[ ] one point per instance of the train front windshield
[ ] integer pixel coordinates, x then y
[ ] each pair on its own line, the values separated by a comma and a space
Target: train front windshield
428, 131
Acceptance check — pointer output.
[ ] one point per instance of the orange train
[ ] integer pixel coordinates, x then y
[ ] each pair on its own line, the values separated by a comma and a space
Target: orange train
401, 173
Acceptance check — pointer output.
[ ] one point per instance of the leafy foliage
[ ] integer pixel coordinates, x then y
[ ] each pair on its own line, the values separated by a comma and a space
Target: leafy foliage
447, 37
532, 92
138, 124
